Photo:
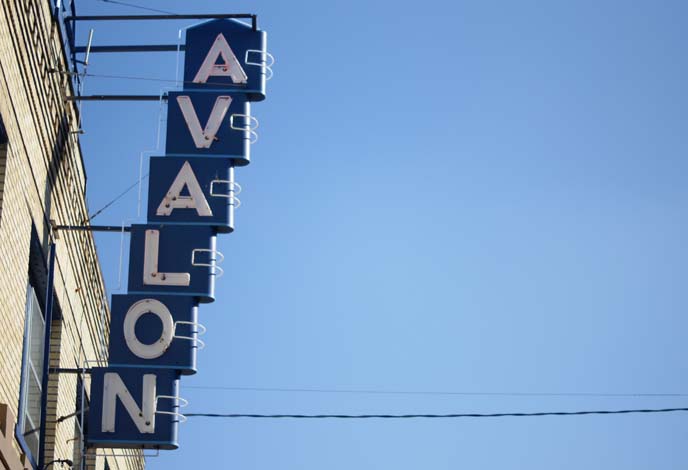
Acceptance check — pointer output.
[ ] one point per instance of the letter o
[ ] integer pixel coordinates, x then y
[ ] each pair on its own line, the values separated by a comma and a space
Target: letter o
136, 311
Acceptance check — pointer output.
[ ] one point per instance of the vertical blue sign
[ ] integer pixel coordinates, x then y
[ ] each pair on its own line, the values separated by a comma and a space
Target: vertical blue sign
227, 55
204, 123
173, 259
192, 191
133, 408
154, 331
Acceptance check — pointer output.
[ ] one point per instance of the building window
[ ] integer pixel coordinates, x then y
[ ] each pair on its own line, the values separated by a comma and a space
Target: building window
32, 374
28, 431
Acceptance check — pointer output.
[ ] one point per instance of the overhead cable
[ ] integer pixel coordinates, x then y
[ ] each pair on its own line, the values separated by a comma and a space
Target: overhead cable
140, 7
430, 392
432, 416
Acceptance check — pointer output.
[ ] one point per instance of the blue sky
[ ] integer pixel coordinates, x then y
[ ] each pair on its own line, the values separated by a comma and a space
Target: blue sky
448, 196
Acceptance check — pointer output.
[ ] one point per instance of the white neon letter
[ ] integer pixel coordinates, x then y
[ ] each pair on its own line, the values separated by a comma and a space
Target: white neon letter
151, 276
230, 67
144, 417
174, 200
203, 138
159, 346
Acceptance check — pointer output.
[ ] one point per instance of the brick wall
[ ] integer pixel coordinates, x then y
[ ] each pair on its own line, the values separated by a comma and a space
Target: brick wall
44, 180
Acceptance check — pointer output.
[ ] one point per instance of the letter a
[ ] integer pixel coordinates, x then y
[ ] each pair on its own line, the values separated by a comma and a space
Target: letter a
143, 418
151, 276
174, 200
230, 67
203, 138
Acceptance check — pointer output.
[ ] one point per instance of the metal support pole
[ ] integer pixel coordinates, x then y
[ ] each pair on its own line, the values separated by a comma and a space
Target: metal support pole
115, 98
133, 48
94, 228
60, 370
253, 18
46, 353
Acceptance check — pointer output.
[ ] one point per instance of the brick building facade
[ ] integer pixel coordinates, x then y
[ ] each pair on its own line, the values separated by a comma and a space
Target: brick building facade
42, 179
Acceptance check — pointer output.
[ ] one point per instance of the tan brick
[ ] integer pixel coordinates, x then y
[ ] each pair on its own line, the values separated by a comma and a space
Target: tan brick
32, 109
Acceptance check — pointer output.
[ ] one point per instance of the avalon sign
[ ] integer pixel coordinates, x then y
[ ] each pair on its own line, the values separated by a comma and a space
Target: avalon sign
173, 260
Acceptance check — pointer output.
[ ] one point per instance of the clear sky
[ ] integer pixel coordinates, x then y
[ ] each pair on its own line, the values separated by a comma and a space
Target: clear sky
460, 196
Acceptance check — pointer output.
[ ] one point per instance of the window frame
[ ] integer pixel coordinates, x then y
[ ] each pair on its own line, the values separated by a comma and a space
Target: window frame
4, 153
26, 366
82, 405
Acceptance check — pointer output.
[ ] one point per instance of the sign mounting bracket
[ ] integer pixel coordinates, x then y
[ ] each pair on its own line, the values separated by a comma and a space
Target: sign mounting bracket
209, 16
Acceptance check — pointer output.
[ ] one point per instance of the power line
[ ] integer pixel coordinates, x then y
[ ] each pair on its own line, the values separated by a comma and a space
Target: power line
138, 6
434, 416
447, 393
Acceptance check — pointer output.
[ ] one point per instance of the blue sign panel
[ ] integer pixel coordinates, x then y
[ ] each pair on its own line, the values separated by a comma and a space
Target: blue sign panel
227, 54
210, 124
133, 408
192, 191
154, 331
173, 260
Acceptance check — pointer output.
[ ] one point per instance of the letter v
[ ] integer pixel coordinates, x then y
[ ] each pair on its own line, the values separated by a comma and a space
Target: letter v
203, 138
